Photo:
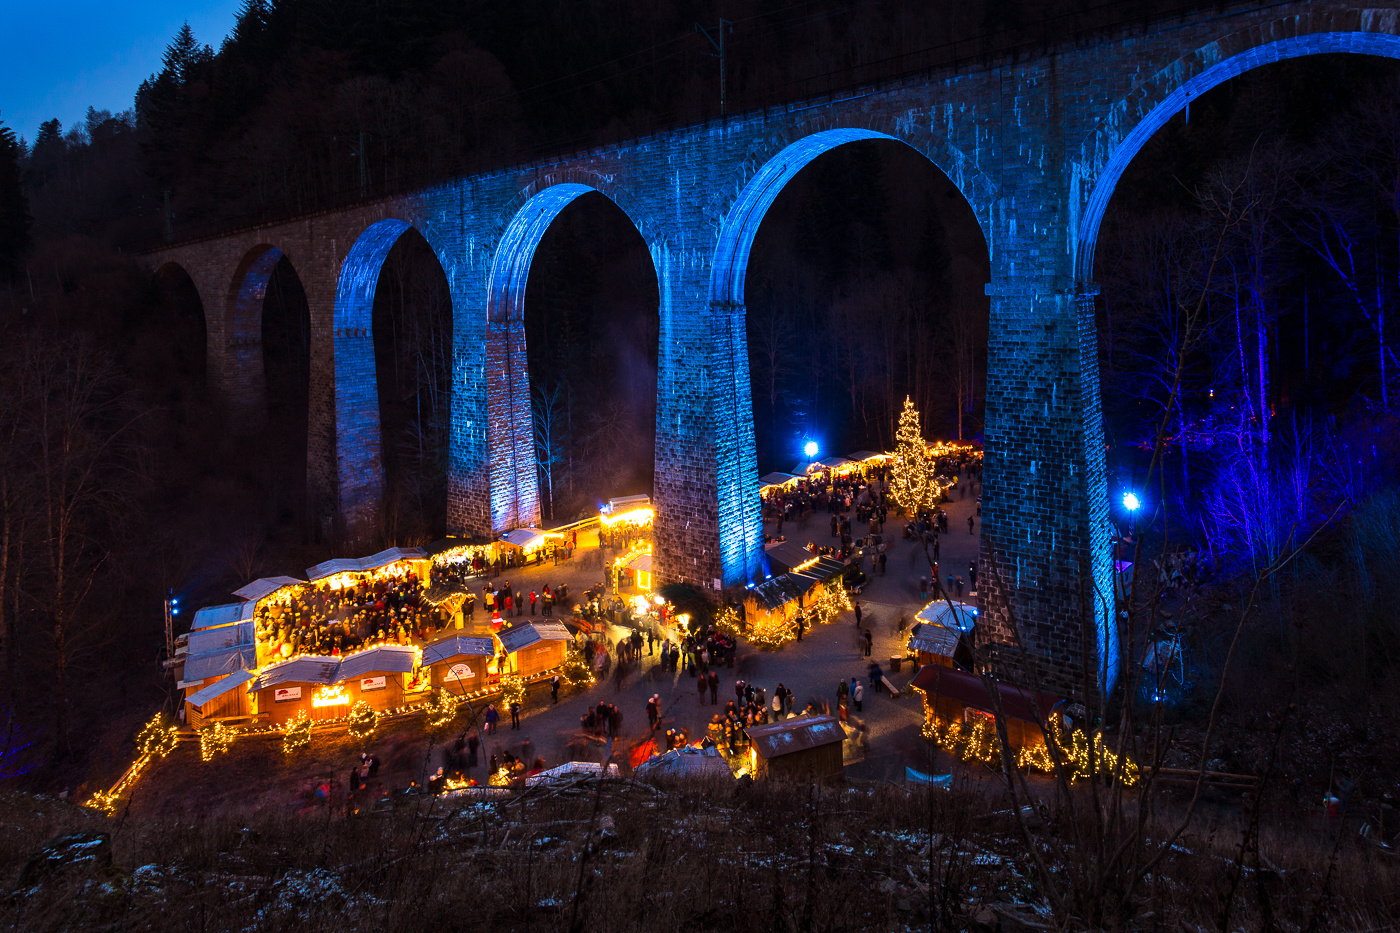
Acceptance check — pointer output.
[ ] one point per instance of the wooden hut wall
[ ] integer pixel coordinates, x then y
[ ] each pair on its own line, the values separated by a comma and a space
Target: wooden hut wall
477, 666
229, 704
821, 762
541, 656
1018, 732
390, 696
278, 713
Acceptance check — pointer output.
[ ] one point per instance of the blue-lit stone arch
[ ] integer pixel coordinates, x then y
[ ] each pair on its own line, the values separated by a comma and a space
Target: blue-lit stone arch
740, 518
1132, 121
515, 494
359, 462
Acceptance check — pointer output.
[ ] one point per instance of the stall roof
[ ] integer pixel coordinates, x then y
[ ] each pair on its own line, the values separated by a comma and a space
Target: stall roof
775, 591
526, 537
265, 586
448, 544
785, 555
934, 639
391, 556
971, 690
640, 563
777, 479
202, 641
332, 567
226, 614
628, 503
823, 570
804, 467
307, 669
220, 688
832, 463
523, 636
861, 455
684, 763
458, 646
385, 659
796, 735
201, 667
961, 616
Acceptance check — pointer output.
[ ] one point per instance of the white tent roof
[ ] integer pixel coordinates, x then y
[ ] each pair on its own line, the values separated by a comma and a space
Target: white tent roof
832, 463
627, 503
219, 688
227, 614
861, 455
265, 586
961, 617
204, 640
330, 568
307, 669
524, 537
777, 479
360, 564
640, 563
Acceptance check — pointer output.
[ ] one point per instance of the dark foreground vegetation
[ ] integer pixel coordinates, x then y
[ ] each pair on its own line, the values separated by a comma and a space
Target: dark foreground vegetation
617, 856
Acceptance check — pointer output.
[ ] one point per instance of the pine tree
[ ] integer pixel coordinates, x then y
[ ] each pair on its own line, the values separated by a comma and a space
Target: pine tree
14, 206
913, 484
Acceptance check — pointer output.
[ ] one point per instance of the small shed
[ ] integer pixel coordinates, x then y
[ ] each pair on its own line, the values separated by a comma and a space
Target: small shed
798, 749
535, 647
376, 675
459, 664
772, 603
281, 691
219, 699
953, 695
937, 644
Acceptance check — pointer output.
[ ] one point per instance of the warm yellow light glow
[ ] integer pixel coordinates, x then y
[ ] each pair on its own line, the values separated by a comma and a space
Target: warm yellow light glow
640, 517
805, 564
331, 696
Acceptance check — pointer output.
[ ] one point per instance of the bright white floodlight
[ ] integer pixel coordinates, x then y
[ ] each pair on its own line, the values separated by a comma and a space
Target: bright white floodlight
811, 449
1130, 501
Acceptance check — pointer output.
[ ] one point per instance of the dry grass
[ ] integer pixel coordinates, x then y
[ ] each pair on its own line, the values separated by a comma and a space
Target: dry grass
619, 856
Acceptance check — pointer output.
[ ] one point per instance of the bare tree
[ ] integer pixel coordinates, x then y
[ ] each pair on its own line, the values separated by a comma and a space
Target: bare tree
548, 423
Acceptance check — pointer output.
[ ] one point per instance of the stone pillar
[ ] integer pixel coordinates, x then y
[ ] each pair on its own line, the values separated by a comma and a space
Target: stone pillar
468, 472
707, 527
1045, 572
515, 496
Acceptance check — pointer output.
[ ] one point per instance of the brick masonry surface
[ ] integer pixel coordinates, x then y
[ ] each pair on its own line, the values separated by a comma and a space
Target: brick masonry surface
1035, 145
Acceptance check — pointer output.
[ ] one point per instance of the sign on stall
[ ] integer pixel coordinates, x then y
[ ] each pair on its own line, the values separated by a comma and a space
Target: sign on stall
371, 683
284, 694
460, 672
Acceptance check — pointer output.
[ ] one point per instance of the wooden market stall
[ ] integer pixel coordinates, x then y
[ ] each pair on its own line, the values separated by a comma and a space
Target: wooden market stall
460, 664
535, 647
771, 604
955, 695
379, 675
280, 691
220, 698
936, 644
800, 749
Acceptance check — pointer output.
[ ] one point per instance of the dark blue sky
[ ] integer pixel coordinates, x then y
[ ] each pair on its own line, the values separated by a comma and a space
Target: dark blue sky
60, 56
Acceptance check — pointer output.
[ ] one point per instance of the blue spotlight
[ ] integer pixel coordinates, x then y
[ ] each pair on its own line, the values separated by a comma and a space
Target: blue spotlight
1131, 502
811, 449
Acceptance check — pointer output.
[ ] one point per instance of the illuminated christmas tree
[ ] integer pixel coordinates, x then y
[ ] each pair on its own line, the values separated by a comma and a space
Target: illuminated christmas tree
913, 481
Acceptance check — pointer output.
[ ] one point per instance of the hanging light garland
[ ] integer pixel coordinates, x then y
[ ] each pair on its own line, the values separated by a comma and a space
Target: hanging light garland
441, 708
154, 741
512, 690
575, 670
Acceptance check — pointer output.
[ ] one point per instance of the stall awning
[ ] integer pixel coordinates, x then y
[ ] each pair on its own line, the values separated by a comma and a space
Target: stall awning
361, 564
458, 646
971, 690
523, 636
215, 690
796, 735
960, 616
307, 669
265, 586
628, 503
640, 563
226, 614
777, 479
201, 667
202, 641
526, 538
934, 639
385, 659
788, 555
776, 591
863, 455
836, 463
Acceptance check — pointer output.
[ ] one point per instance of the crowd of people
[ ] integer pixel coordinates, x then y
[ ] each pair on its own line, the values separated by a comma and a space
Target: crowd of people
321, 619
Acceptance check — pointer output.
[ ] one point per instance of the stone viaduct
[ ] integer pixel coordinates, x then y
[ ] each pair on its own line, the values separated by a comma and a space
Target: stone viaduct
1035, 145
